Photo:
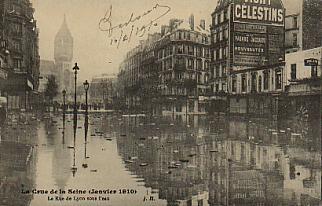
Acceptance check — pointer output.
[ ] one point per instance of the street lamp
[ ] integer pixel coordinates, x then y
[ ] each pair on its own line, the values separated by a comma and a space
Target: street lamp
64, 101
86, 87
75, 68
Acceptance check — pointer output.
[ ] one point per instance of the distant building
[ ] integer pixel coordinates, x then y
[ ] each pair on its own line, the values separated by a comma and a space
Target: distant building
102, 91
61, 67
303, 25
63, 55
47, 68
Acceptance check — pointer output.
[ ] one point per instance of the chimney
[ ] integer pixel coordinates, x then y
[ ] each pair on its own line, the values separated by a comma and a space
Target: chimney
203, 24
192, 22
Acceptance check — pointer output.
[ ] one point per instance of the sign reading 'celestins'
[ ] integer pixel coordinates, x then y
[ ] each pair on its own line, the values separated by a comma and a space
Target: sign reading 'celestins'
259, 11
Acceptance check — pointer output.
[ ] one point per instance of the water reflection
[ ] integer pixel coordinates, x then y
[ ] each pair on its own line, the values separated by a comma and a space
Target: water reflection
189, 160
226, 162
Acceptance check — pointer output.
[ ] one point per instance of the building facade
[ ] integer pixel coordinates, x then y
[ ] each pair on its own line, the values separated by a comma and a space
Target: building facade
63, 55
247, 56
19, 53
303, 25
168, 73
61, 67
102, 91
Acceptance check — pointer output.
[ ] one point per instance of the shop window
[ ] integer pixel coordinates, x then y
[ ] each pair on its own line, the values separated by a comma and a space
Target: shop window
266, 80
278, 79
234, 84
244, 83
293, 71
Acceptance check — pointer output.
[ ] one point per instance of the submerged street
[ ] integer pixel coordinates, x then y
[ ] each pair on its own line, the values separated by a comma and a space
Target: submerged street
197, 160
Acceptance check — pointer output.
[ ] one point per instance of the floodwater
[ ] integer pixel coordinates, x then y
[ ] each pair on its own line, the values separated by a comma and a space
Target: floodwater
139, 160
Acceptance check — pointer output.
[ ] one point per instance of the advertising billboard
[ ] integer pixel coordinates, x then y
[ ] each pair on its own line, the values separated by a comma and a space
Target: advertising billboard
259, 11
257, 32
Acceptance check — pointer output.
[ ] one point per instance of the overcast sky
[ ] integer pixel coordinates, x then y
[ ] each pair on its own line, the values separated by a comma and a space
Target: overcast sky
92, 49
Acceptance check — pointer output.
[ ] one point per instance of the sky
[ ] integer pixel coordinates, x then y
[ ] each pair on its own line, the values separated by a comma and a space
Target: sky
93, 50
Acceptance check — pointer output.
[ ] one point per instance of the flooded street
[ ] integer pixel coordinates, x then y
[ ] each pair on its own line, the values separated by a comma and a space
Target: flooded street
160, 161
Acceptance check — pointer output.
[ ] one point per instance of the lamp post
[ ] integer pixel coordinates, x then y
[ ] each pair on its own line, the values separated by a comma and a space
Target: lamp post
64, 110
75, 68
74, 168
86, 87
64, 101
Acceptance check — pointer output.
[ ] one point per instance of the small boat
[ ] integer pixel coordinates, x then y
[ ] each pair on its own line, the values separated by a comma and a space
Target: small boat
93, 135
142, 138
172, 167
177, 164
128, 161
108, 139
192, 155
175, 151
123, 135
94, 170
70, 147
133, 158
212, 151
171, 124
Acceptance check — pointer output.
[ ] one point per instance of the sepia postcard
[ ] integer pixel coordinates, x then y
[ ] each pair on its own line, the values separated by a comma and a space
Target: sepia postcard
160, 102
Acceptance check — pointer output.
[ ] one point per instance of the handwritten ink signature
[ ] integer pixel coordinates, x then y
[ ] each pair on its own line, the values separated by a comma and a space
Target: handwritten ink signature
129, 28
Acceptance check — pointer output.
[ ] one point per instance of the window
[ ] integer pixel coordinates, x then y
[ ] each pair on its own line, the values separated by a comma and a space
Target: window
199, 64
266, 79
223, 87
225, 15
293, 71
214, 37
234, 84
217, 88
278, 79
216, 19
190, 50
294, 39
190, 63
244, 83
180, 49
223, 71
217, 71
206, 66
206, 52
295, 22
226, 33
199, 52
17, 63
260, 83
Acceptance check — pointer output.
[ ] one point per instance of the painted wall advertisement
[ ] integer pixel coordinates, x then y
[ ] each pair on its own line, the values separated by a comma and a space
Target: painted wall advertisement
258, 32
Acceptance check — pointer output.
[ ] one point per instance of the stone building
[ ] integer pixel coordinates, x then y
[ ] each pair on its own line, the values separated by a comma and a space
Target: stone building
61, 67
168, 73
19, 53
102, 91
63, 55
303, 25
247, 56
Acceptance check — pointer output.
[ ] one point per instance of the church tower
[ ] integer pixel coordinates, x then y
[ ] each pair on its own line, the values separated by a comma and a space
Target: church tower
63, 55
